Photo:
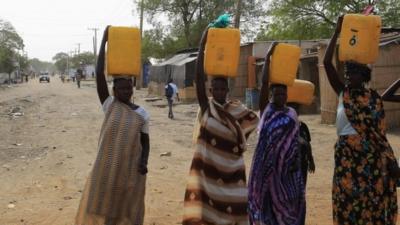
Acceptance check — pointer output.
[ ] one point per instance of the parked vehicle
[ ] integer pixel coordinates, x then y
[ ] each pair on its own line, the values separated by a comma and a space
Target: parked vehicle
44, 77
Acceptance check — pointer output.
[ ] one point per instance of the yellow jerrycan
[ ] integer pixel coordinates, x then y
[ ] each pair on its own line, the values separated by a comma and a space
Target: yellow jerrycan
123, 51
222, 50
284, 63
302, 92
359, 38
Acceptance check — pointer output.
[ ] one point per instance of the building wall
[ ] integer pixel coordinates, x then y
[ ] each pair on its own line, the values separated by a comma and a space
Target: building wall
89, 70
238, 85
308, 70
187, 94
260, 48
4, 77
155, 88
385, 71
328, 96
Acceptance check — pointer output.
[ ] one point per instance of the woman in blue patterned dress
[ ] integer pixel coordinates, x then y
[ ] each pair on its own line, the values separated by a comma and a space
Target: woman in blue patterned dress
276, 186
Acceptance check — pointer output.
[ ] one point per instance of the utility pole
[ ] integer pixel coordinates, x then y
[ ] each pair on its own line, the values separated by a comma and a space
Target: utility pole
95, 29
68, 65
79, 48
69, 53
141, 18
139, 80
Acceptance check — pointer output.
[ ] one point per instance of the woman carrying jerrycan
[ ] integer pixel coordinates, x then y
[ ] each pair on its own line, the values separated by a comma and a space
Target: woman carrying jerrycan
366, 170
114, 193
216, 192
276, 186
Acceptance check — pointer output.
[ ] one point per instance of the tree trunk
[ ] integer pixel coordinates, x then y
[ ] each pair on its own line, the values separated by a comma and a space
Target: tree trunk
186, 22
201, 10
9, 78
187, 35
238, 13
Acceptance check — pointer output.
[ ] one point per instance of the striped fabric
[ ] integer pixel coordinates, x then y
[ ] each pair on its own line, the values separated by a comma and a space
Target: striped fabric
216, 192
276, 188
115, 189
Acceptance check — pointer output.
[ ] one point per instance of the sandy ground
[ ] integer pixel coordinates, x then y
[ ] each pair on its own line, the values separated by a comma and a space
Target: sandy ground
47, 153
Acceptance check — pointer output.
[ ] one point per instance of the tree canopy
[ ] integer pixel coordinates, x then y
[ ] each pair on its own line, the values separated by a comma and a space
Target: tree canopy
39, 66
63, 60
82, 59
310, 19
10, 44
187, 20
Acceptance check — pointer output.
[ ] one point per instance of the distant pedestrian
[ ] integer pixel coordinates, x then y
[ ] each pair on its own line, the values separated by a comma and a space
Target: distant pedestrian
79, 77
171, 91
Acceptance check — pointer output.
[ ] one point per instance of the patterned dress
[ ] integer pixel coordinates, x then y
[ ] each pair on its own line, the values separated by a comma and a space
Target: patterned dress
276, 187
363, 192
115, 189
216, 192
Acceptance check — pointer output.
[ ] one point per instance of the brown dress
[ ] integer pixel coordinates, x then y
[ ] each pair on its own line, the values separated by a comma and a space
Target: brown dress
115, 188
216, 192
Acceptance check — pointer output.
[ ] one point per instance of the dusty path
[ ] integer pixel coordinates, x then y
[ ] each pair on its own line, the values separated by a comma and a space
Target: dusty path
46, 154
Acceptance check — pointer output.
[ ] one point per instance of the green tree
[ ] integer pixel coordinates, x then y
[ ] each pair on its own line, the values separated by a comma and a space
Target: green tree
180, 12
9, 37
10, 44
61, 60
152, 44
157, 44
310, 19
7, 62
23, 61
188, 18
39, 66
82, 59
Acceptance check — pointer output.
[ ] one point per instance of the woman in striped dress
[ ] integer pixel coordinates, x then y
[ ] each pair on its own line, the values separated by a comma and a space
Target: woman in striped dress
276, 186
114, 192
216, 192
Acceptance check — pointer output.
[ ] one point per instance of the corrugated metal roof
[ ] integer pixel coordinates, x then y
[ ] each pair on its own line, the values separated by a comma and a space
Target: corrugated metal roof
389, 39
184, 61
179, 59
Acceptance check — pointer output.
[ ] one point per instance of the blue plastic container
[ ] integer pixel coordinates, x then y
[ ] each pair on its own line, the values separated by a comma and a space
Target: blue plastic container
252, 98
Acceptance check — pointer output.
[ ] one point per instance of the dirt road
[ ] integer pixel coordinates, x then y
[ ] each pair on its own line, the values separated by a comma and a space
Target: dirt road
48, 144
